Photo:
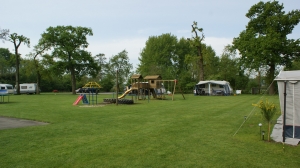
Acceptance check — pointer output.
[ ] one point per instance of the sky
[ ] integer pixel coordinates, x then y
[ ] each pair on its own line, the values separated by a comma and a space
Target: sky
119, 25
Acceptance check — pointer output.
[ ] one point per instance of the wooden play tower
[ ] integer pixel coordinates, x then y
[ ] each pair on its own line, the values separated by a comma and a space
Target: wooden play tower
152, 84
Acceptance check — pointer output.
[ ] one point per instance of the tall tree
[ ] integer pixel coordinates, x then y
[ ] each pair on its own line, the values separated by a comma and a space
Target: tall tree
100, 59
38, 50
210, 61
120, 63
5, 64
183, 70
4, 33
265, 42
196, 41
158, 56
68, 45
17, 40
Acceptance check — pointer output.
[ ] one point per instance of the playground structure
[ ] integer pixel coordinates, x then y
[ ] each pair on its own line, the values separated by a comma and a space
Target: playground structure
140, 88
92, 89
150, 85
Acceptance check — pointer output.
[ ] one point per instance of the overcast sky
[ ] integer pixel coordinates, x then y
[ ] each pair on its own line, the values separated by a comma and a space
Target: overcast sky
127, 24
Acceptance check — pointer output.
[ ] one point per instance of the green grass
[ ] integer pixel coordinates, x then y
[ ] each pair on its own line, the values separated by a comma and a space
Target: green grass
196, 132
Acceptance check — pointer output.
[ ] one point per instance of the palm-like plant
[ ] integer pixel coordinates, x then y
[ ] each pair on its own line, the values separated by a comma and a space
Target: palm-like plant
268, 111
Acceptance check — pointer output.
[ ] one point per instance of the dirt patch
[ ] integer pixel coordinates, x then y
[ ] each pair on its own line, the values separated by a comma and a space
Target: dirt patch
9, 123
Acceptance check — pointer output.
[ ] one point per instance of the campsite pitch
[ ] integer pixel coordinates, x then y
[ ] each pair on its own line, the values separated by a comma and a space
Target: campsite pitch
195, 132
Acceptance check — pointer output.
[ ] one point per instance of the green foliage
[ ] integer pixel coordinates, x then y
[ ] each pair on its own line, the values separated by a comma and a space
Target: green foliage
196, 42
4, 33
268, 111
295, 66
121, 63
107, 83
210, 61
100, 59
158, 56
264, 42
68, 45
6, 61
17, 40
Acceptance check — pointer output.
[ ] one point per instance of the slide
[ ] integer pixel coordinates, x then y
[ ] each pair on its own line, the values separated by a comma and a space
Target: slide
78, 100
124, 94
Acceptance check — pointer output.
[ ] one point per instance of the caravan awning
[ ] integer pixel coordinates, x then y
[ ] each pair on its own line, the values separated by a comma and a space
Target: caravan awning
287, 128
213, 82
288, 76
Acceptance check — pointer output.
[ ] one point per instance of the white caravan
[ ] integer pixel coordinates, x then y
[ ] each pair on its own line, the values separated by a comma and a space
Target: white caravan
213, 87
6, 88
27, 88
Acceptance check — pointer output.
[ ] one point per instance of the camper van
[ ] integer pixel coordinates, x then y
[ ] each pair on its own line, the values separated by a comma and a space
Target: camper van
213, 87
6, 88
27, 88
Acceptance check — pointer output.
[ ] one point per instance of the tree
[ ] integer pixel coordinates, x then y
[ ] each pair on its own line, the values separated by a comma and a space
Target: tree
4, 33
295, 66
38, 50
68, 45
265, 42
7, 66
101, 61
158, 56
17, 40
120, 63
196, 41
183, 70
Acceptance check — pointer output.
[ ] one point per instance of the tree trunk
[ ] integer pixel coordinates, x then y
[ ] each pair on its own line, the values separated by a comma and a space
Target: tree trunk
73, 80
72, 70
271, 78
38, 82
17, 71
38, 74
201, 74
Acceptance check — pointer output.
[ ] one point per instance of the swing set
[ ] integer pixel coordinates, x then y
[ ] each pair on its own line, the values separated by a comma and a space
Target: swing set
165, 91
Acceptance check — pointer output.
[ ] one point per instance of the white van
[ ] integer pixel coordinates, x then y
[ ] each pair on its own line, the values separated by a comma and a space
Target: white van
6, 88
27, 88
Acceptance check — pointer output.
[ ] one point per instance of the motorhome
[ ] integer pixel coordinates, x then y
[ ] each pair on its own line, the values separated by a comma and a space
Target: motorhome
6, 88
213, 87
27, 88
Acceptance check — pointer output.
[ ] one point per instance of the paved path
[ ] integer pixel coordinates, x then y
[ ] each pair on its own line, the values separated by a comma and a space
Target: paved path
9, 123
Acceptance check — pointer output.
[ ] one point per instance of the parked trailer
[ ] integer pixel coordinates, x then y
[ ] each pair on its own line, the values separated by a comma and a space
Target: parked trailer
213, 87
6, 88
27, 88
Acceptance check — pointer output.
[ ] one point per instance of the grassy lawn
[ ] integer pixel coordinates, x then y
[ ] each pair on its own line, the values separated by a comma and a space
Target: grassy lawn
196, 132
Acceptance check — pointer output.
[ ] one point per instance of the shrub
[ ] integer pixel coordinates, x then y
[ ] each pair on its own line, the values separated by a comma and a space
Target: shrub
268, 111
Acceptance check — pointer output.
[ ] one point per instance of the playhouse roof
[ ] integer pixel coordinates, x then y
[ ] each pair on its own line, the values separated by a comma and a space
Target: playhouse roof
157, 77
136, 76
